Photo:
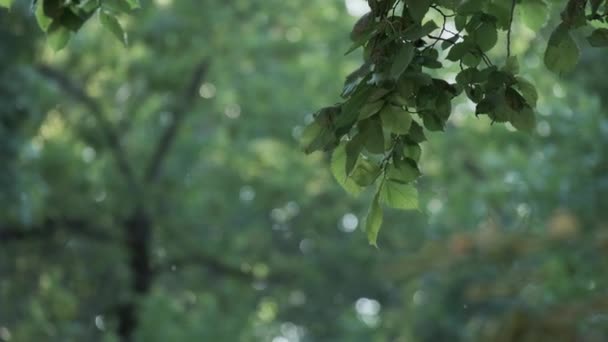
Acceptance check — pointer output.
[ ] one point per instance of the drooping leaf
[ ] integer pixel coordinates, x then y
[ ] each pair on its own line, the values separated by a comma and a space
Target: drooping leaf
370, 109
111, 24
353, 151
524, 120
528, 91
43, 21
398, 195
338, 169
373, 221
562, 52
402, 60
315, 137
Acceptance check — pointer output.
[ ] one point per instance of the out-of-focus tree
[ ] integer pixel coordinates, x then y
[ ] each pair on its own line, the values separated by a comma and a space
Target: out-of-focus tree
157, 192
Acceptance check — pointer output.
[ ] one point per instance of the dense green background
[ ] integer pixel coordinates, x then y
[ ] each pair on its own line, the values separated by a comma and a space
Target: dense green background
251, 239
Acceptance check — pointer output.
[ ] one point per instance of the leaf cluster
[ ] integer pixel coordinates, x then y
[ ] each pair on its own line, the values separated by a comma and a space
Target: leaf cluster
390, 101
60, 19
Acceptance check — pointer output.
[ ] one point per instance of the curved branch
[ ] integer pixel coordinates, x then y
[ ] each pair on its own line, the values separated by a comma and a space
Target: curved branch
78, 93
168, 136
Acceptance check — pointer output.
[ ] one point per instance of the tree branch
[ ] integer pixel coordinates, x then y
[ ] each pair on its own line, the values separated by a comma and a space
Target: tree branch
168, 136
78, 93
48, 228
215, 265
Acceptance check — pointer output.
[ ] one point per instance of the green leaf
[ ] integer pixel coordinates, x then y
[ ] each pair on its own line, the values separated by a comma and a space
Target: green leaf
373, 222
471, 59
457, 51
111, 24
6, 3
353, 150
362, 27
369, 109
599, 38
53, 8
528, 91
418, 9
562, 53
524, 120
416, 32
403, 170
402, 60
338, 169
311, 139
398, 195
486, 36
533, 13
374, 136
319, 134
353, 79
395, 119
412, 151
58, 37
350, 109
43, 21
416, 133
443, 105
365, 172
134, 4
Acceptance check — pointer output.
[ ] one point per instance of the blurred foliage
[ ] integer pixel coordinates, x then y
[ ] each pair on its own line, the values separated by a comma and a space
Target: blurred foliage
250, 240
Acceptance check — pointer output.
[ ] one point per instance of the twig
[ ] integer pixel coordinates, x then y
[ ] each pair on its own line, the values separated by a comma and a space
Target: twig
168, 136
510, 28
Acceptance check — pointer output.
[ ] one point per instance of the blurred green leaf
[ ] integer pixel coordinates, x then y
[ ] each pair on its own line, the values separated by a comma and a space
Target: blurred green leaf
111, 24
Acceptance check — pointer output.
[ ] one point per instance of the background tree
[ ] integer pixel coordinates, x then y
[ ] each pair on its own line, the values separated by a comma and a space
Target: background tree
133, 210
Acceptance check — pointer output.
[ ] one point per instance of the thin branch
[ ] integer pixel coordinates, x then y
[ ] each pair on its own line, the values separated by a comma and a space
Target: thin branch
78, 93
51, 227
168, 136
510, 28
217, 266
210, 263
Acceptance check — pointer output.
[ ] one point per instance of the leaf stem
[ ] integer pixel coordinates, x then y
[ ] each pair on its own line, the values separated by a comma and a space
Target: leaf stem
513, 2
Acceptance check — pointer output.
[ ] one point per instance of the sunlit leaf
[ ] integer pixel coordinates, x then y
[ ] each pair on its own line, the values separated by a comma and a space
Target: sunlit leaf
399, 195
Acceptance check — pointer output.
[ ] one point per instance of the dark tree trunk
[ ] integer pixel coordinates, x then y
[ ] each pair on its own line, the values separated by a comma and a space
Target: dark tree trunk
137, 242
